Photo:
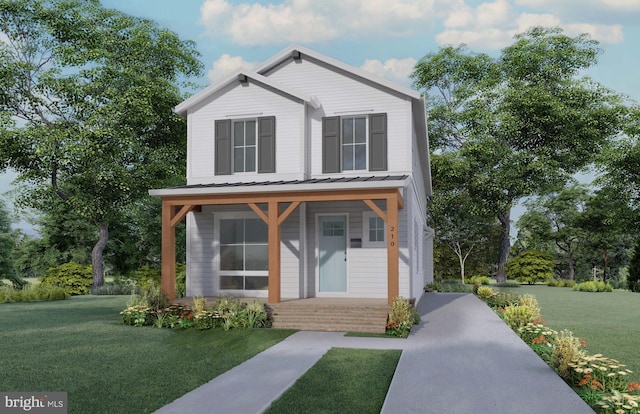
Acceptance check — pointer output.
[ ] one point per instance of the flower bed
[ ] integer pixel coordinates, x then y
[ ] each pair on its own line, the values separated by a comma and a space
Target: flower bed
601, 382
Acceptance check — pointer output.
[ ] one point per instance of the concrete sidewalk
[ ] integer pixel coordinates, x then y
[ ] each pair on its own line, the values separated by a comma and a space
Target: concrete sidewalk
460, 359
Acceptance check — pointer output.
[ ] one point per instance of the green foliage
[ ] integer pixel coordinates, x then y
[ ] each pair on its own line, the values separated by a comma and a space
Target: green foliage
561, 283
147, 276
402, 318
483, 280
633, 279
449, 286
517, 316
97, 116
531, 267
35, 293
593, 286
501, 300
74, 278
566, 350
485, 292
518, 123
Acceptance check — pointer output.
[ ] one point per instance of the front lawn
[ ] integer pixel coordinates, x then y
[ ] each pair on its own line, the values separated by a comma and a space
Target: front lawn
80, 346
343, 381
607, 321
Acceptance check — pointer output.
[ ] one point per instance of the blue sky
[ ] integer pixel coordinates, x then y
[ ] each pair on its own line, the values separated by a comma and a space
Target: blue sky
388, 37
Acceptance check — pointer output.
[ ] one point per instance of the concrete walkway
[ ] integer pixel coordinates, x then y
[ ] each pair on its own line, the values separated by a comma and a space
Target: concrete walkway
460, 359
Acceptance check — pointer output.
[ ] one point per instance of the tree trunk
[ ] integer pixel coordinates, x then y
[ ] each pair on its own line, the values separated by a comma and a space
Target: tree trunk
505, 244
96, 256
571, 269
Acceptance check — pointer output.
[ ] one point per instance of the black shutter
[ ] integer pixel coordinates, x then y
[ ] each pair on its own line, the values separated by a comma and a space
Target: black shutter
223, 147
267, 144
331, 144
378, 142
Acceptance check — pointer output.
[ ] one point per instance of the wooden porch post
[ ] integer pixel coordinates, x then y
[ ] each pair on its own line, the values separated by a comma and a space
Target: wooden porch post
393, 279
168, 283
274, 251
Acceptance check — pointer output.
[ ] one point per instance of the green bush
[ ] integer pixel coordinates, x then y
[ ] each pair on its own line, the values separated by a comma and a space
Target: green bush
74, 278
31, 293
593, 286
483, 280
517, 316
508, 284
561, 283
448, 286
530, 267
485, 292
501, 300
401, 318
116, 288
147, 275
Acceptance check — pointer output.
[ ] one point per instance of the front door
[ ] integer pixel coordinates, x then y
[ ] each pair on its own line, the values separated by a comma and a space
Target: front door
333, 253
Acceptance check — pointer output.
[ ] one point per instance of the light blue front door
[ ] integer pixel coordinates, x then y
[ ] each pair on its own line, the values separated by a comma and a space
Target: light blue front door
333, 253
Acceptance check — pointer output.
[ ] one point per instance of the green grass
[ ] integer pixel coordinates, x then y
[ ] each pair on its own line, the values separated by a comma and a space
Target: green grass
81, 347
607, 321
343, 381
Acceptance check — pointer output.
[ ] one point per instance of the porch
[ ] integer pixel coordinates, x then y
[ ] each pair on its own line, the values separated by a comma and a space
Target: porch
322, 314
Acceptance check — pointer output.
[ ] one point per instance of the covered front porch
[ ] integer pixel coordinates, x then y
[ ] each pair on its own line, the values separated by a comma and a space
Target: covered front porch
273, 203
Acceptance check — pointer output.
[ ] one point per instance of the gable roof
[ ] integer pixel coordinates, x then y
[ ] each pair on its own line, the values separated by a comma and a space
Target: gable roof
183, 107
286, 54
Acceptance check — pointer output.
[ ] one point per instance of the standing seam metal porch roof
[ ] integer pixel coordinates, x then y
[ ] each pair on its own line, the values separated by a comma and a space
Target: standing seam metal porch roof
320, 184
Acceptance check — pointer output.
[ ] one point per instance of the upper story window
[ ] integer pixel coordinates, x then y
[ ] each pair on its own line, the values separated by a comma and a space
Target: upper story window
245, 145
354, 143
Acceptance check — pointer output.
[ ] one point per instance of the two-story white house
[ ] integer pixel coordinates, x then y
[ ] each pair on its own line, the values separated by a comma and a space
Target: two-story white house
305, 178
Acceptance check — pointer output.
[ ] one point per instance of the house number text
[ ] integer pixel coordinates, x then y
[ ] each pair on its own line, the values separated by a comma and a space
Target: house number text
392, 236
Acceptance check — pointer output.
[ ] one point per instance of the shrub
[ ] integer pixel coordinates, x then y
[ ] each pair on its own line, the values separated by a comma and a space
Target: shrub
483, 280
32, 294
485, 292
401, 318
74, 278
566, 350
561, 283
146, 275
517, 316
593, 286
116, 288
508, 284
531, 302
530, 267
501, 300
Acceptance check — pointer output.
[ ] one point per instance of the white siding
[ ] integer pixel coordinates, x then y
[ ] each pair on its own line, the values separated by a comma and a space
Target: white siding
343, 94
366, 266
202, 263
246, 102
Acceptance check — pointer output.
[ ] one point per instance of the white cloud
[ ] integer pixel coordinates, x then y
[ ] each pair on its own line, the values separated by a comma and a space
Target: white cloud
226, 66
312, 21
492, 25
397, 70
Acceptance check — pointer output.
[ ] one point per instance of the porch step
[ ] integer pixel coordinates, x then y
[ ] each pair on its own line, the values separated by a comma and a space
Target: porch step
316, 315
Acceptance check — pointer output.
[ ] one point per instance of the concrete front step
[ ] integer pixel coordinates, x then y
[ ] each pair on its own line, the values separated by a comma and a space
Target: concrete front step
303, 326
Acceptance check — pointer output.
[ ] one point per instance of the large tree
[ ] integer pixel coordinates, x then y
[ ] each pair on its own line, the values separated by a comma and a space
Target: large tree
557, 217
86, 97
524, 121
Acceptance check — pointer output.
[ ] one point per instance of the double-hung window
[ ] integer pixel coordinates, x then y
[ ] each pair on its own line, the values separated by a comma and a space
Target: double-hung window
354, 143
244, 146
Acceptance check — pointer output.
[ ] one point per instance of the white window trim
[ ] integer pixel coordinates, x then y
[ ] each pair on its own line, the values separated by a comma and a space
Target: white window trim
366, 215
366, 140
233, 147
216, 264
